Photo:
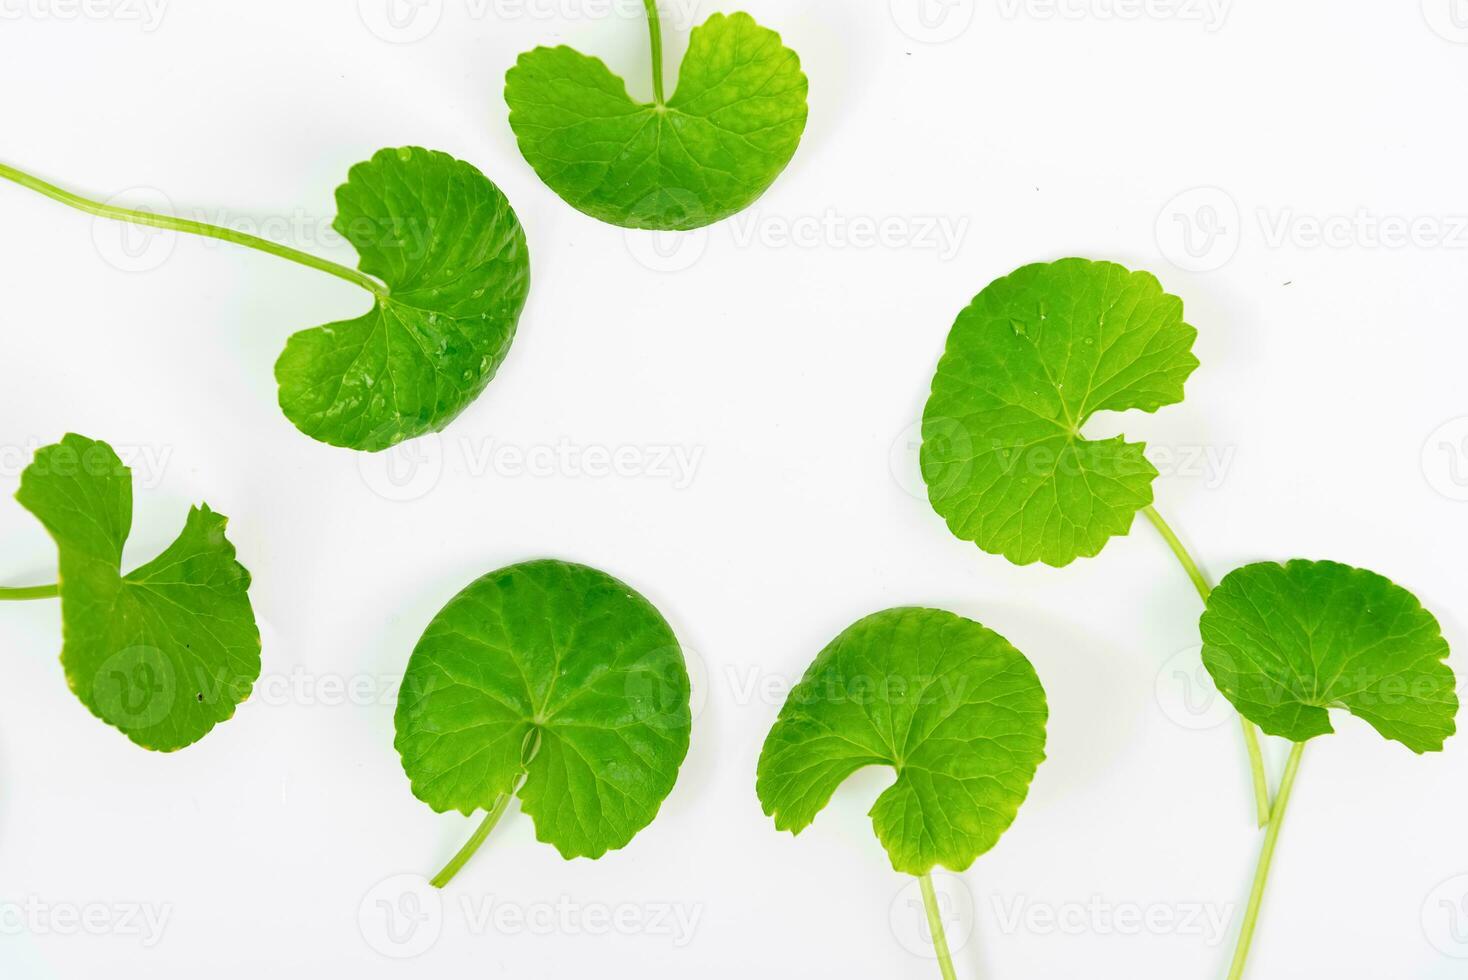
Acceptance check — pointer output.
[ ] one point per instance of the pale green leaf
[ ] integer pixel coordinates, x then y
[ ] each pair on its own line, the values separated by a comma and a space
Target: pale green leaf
728, 131
166, 652
1288, 643
1028, 363
956, 711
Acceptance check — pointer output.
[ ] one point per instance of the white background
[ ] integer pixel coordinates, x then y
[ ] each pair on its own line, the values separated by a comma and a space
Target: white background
793, 370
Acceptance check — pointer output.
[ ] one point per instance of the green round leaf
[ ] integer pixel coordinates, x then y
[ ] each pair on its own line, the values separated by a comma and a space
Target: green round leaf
166, 652
559, 673
948, 704
1033, 357
728, 131
453, 256
1286, 643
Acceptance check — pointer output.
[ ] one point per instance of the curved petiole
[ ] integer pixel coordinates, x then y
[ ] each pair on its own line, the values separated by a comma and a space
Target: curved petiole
528, 751
467, 851
188, 226
935, 926
1251, 732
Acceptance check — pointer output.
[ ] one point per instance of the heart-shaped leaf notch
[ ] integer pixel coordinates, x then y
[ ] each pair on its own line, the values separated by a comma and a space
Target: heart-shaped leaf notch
554, 682
1288, 643
452, 254
165, 652
709, 152
1035, 355
951, 706
444, 258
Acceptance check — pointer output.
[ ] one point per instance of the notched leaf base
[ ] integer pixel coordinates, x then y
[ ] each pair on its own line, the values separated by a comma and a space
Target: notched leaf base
1036, 355
1287, 642
452, 254
729, 130
166, 652
949, 705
